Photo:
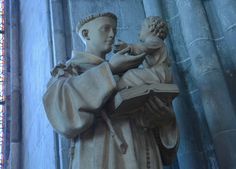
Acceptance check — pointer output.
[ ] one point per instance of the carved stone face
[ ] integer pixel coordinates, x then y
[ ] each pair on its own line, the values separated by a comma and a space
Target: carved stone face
101, 34
144, 32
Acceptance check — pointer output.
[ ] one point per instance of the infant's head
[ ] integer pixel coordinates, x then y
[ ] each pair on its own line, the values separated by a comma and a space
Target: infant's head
154, 26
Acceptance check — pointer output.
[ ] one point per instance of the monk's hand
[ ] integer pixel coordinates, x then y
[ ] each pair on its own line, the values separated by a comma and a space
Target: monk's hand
123, 61
137, 49
120, 45
159, 110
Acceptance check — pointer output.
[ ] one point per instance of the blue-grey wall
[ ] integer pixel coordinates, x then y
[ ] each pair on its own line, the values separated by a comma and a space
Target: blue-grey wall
37, 134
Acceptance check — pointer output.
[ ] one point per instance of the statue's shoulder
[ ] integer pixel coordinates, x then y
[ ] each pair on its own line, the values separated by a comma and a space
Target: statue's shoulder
77, 64
71, 67
65, 70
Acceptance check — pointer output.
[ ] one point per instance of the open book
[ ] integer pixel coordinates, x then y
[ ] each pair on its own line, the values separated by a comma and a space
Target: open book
133, 98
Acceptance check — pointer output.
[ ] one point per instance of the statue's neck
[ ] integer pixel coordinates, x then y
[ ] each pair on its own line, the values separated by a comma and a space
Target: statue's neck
96, 52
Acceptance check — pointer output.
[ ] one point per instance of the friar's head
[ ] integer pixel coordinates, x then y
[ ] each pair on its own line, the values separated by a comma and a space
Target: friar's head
98, 32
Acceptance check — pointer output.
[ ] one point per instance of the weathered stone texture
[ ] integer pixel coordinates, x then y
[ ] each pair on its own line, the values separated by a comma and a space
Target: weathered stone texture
37, 138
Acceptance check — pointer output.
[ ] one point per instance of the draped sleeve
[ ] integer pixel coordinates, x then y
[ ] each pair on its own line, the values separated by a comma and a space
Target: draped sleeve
72, 100
167, 138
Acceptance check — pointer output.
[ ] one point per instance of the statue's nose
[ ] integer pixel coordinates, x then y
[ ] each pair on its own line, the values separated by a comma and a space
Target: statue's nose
111, 34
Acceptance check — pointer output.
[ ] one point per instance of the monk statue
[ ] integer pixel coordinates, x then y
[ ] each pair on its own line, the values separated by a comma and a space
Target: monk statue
77, 100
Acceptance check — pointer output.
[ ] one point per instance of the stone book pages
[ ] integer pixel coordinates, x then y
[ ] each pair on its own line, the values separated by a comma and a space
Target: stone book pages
131, 99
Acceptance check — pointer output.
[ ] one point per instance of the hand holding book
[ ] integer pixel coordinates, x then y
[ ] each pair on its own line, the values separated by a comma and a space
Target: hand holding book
153, 97
160, 111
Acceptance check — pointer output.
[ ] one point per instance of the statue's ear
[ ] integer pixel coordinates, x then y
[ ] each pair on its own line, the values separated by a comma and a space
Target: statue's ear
85, 34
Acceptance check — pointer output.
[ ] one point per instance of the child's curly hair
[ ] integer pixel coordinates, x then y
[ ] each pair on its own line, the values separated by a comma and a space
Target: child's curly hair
157, 26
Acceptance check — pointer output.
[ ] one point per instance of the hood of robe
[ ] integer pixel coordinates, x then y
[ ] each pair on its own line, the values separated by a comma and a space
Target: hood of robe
79, 58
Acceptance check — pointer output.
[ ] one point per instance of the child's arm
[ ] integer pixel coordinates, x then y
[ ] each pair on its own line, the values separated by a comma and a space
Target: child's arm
149, 46
135, 49
152, 45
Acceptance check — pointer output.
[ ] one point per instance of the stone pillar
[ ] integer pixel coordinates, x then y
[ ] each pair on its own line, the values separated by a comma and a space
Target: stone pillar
207, 72
15, 112
226, 19
58, 32
226, 12
152, 7
57, 20
15, 156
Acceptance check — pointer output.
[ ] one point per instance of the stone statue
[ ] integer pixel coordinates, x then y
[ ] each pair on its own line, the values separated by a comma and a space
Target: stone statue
77, 99
155, 67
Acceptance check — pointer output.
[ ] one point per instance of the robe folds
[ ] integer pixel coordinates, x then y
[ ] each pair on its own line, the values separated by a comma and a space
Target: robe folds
77, 94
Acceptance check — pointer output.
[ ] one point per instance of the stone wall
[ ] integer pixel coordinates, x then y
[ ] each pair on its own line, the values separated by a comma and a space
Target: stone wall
37, 133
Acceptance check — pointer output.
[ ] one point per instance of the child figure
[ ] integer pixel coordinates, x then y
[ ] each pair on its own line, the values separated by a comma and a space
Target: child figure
155, 68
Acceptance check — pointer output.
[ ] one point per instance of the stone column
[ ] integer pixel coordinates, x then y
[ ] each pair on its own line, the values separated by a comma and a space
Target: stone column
226, 12
207, 72
226, 20
15, 112
58, 32
57, 21
152, 7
